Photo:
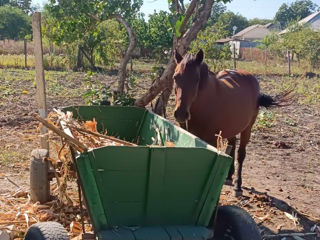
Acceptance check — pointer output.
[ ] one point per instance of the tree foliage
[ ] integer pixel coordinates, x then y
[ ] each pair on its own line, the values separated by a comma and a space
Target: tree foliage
216, 53
301, 41
259, 21
159, 33
227, 20
217, 10
14, 23
81, 24
294, 12
25, 5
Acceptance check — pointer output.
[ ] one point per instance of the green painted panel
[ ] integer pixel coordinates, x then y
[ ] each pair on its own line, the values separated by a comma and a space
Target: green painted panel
177, 179
122, 122
91, 193
157, 130
121, 176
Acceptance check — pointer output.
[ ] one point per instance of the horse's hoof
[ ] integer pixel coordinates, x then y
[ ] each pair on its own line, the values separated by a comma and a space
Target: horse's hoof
228, 182
237, 193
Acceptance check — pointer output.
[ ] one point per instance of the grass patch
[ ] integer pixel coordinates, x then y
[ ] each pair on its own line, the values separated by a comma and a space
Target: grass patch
16, 61
305, 90
50, 62
7, 157
265, 119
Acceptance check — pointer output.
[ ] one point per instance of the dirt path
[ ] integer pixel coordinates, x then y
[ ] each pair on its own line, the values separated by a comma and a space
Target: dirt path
281, 171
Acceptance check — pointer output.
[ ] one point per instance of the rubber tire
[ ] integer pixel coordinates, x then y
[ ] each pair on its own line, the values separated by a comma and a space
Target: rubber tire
234, 223
47, 231
39, 182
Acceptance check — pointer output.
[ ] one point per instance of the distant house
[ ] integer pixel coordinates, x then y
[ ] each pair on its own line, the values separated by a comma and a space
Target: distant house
313, 21
248, 37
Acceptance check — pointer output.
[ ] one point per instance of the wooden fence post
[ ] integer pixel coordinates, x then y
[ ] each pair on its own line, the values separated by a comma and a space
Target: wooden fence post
41, 89
289, 63
25, 52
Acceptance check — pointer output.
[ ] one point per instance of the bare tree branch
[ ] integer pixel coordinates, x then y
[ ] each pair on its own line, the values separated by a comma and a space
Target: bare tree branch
182, 6
196, 26
188, 14
126, 57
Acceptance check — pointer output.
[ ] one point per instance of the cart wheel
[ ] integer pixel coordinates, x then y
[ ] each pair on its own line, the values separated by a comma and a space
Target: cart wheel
234, 223
47, 231
39, 183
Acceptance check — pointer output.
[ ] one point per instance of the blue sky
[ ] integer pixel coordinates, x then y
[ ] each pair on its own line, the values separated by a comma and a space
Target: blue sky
248, 8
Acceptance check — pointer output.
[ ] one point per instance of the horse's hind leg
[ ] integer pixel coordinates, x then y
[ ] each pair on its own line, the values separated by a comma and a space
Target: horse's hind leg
244, 139
232, 143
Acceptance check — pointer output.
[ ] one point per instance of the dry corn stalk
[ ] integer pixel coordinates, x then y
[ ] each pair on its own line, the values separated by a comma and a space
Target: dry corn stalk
222, 143
81, 136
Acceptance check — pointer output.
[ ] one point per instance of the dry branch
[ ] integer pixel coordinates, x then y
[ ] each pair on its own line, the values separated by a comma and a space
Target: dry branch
103, 136
67, 138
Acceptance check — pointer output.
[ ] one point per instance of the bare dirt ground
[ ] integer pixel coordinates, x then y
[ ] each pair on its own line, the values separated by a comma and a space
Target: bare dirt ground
281, 171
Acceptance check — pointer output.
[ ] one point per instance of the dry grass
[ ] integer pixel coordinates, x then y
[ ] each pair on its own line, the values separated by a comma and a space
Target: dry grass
17, 47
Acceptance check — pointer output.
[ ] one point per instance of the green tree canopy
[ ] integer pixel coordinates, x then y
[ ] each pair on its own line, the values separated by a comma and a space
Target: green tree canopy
261, 21
78, 23
160, 32
296, 11
227, 20
14, 23
25, 5
217, 10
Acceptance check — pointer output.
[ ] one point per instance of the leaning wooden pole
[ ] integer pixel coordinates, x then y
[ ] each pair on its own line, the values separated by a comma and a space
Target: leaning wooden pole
41, 87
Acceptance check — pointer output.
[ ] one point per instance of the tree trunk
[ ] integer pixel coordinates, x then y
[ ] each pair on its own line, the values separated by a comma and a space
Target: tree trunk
126, 57
164, 84
89, 58
79, 59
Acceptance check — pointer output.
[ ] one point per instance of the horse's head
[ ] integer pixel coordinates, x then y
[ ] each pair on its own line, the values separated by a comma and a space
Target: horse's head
186, 83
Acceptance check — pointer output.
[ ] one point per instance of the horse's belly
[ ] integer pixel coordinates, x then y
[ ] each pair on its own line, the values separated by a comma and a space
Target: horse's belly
230, 123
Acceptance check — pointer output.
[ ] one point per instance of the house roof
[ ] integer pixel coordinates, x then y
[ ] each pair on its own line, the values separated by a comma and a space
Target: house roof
224, 40
252, 32
309, 19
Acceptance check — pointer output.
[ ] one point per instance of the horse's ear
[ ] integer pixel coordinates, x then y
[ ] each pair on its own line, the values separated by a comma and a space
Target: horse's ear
177, 57
199, 56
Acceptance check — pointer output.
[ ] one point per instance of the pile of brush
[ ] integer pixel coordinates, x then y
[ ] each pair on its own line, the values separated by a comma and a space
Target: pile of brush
82, 136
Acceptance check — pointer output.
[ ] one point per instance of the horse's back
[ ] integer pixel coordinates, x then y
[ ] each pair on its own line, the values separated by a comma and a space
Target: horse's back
238, 84
241, 78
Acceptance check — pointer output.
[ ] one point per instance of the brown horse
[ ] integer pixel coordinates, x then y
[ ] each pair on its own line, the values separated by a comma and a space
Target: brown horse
207, 104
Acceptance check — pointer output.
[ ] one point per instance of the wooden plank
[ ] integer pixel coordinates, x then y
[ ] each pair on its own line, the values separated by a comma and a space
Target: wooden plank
40, 80
155, 185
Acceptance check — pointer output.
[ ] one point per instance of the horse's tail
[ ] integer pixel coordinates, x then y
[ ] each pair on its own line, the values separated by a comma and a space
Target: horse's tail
283, 99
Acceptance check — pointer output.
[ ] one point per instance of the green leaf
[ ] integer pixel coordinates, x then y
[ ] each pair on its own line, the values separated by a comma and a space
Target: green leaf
178, 25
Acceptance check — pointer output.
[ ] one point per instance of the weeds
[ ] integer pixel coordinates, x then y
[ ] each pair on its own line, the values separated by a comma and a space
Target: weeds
265, 119
8, 157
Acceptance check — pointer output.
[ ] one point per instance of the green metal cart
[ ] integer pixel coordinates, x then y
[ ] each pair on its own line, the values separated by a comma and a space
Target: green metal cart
149, 191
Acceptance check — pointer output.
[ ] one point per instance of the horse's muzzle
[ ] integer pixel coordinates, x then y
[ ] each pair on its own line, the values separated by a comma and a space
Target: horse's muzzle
181, 115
